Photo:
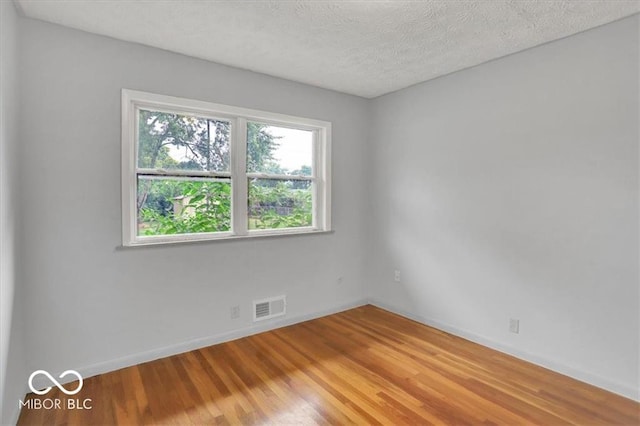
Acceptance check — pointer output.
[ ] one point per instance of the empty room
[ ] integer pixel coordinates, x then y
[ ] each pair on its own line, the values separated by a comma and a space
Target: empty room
319, 212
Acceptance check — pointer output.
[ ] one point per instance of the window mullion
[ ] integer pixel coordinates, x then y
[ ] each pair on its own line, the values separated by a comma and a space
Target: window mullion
239, 183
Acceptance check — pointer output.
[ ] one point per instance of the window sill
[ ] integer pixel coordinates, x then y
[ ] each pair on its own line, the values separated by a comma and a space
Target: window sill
258, 234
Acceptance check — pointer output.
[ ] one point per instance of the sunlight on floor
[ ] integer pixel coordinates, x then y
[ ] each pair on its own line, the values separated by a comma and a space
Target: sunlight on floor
300, 414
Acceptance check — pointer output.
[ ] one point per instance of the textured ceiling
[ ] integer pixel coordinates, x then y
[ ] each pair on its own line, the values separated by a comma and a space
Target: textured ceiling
366, 48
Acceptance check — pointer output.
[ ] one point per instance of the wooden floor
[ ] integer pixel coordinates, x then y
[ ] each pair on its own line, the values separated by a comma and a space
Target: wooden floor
363, 366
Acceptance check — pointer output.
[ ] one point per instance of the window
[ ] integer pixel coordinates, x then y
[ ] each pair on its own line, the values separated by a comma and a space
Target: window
194, 170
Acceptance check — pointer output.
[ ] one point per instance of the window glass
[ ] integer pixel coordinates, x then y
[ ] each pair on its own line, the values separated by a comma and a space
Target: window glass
172, 141
276, 203
169, 206
279, 150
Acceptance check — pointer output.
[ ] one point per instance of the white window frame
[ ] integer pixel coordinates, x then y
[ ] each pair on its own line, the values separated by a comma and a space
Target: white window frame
133, 101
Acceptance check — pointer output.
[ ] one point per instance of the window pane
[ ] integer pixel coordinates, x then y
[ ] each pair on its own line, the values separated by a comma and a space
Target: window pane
279, 150
179, 206
173, 141
277, 203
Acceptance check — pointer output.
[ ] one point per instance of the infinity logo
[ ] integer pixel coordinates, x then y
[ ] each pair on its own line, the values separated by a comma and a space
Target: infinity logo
55, 382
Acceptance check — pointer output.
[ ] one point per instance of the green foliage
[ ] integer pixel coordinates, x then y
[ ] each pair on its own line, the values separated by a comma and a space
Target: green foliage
272, 220
159, 194
277, 204
260, 146
202, 207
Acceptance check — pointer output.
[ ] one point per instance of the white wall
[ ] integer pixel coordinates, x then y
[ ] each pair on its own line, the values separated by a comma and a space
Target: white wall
12, 369
90, 302
510, 190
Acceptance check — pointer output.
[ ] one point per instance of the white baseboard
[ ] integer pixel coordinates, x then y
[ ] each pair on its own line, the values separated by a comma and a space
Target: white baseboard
139, 358
592, 379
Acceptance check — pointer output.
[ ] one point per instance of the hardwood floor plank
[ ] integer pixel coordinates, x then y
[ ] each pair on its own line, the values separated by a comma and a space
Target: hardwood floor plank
277, 393
304, 372
337, 384
362, 366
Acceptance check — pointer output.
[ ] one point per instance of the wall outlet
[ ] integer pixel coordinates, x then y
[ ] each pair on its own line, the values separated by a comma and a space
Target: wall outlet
514, 325
235, 312
396, 276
